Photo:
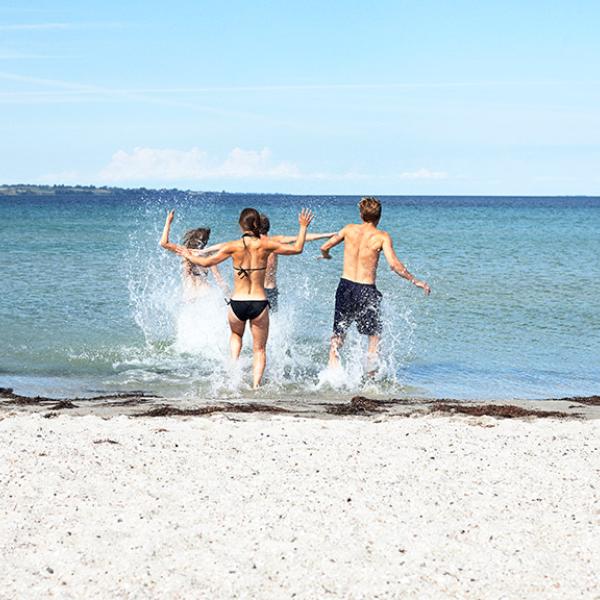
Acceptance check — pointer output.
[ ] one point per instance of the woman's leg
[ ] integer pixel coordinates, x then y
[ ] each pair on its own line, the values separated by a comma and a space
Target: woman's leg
260, 334
237, 333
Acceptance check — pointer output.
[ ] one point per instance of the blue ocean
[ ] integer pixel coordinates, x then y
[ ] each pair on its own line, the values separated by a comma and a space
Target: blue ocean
91, 304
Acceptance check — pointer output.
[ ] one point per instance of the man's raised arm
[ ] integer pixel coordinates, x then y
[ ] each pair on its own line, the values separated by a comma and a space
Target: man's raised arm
397, 266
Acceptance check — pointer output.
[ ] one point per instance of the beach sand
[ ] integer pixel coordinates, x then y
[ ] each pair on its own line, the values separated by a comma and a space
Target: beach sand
280, 506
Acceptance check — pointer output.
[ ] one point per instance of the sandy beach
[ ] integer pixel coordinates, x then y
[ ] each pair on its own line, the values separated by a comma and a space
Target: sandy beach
281, 506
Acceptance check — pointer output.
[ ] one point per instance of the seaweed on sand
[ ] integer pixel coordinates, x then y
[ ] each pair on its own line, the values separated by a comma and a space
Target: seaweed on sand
589, 400
503, 411
8, 396
167, 410
359, 405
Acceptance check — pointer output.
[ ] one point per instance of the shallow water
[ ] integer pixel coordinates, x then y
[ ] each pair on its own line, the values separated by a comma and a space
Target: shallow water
91, 303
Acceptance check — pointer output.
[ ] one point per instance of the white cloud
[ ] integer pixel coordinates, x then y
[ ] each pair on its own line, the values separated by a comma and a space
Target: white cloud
151, 166
156, 164
423, 174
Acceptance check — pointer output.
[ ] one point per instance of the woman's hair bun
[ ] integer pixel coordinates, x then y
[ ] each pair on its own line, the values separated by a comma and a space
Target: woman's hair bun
250, 221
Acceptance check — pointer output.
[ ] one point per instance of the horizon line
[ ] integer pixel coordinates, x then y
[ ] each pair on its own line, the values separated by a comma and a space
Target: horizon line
178, 189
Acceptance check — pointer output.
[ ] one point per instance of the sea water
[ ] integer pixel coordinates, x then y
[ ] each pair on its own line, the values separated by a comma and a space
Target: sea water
91, 304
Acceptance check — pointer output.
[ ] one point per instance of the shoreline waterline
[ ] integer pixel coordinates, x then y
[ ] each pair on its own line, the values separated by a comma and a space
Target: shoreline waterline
141, 404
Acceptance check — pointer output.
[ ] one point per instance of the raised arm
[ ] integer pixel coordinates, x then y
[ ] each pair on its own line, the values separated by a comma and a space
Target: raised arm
336, 239
208, 250
224, 253
398, 267
310, 237
304, 219
164, 240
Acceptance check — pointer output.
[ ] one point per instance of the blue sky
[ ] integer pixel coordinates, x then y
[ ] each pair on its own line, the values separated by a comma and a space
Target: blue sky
303, 97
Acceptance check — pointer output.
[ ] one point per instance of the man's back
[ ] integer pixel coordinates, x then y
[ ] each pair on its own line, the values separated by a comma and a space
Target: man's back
362, 247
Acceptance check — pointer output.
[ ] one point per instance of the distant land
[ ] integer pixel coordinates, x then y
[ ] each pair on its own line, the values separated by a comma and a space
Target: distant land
23, 189
53, 190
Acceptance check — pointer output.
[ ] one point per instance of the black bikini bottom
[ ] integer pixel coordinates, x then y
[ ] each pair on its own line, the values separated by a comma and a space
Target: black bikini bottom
246, 310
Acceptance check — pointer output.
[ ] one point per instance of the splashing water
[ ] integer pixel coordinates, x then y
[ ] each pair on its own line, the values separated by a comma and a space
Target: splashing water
189, 341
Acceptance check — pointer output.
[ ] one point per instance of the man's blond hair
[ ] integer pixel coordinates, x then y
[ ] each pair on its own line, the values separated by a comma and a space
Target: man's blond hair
370, 209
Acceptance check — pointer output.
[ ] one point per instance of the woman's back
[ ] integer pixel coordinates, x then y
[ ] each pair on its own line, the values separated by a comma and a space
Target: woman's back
249, 256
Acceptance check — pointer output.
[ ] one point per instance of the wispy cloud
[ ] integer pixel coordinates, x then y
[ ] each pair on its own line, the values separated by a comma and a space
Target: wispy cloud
57, 26
34, 26
69, 91
25, 55
86, 91
423, 174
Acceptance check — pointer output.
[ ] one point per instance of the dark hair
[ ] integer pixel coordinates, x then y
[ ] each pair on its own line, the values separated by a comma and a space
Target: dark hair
196, 238
370, 209
250, 221
265, 224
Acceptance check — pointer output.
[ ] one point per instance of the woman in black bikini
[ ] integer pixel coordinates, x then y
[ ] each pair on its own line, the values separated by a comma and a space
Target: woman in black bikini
249, 300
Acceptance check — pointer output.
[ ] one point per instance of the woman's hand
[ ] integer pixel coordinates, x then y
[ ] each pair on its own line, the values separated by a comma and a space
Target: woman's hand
170, 216
183, 251
305, 217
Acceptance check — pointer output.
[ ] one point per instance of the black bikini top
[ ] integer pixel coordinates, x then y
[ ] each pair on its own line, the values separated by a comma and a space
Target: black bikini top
243, 271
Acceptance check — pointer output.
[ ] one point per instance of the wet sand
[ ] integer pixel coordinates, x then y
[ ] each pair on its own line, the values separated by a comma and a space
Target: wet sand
362, 499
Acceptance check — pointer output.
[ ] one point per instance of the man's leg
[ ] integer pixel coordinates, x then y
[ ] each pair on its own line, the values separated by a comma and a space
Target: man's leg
237, 333
369, 323
260, 334
337, 341
373, 355
341, 321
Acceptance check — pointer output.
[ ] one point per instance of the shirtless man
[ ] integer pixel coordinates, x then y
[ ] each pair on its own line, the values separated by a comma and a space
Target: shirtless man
357, 298
271, 275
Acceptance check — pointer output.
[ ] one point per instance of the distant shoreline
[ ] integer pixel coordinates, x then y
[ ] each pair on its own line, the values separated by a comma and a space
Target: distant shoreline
15, 190
53, 190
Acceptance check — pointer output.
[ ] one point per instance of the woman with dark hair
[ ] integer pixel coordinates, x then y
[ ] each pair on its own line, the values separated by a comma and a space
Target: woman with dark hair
195, 277
249, 302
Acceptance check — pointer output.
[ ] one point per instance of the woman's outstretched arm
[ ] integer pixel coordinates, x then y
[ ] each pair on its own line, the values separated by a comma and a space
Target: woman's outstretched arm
304, 219
224, 253
310, 237
208, 250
